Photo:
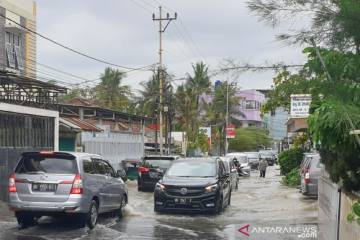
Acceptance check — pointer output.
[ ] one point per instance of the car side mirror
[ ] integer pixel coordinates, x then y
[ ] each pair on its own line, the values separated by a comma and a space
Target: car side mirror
225, 175
121, 174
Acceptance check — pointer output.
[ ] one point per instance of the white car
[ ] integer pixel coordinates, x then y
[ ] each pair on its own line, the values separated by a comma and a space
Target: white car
243, 160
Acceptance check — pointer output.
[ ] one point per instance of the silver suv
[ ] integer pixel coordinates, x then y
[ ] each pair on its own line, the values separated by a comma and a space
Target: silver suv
57, 183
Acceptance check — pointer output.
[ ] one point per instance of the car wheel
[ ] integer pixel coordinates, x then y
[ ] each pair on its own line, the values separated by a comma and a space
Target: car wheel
220, 207
92, 215
121, 211
24, 220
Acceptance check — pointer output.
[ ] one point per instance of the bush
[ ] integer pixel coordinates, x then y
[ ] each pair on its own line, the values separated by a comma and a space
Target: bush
292, 178
290, 159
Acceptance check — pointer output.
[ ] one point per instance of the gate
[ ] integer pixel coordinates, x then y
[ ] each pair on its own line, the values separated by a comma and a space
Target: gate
20, 133
328, 211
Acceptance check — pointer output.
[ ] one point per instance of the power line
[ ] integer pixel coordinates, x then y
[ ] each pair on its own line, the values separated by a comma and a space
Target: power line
70, 49
141, 6
177, 56
149, 4
186, 33
186, 41
178, 46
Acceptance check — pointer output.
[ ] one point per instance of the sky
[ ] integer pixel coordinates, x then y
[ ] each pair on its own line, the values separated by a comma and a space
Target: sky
123, 33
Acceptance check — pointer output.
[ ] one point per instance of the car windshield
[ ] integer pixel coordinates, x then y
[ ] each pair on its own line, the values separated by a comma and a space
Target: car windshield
47, 164
192, 169
269, 154
252, 155
158, 162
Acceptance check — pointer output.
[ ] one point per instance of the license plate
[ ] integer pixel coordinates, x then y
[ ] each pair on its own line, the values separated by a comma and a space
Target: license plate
182, 200
43, 187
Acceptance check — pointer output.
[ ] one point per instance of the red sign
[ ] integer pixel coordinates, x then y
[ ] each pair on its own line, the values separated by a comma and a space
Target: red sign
230, 131
153, 126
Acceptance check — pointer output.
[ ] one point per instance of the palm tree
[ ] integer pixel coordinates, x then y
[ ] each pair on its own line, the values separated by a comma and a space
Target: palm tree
110, 93
215, 111
185, 111
150, 91
200, 82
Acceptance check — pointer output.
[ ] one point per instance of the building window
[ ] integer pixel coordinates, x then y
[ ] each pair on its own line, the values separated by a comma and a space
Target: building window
14, 57
272, 112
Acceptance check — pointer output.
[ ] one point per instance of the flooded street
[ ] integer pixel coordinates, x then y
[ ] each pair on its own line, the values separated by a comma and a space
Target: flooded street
257, 202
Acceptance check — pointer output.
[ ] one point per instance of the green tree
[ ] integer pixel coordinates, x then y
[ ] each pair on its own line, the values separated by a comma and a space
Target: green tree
150, 91
200, 82
250, 139
215, 111
110, 92
332, 23
185, 107
74, 93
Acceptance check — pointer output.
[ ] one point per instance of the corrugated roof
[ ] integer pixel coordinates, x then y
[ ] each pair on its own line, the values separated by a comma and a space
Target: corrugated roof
85, 126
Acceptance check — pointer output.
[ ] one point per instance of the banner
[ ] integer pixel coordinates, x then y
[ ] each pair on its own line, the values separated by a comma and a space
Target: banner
230, 131
207, 131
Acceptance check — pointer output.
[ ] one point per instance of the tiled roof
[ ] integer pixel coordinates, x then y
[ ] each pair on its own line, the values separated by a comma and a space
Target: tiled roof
81, 102
83, 125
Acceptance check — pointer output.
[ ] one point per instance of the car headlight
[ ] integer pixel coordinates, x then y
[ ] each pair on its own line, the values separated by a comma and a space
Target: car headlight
211, 188
159, 187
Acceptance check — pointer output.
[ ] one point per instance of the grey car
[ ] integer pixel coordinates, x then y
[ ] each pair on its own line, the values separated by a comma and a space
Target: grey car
309, 179
254, 158
231, 168
269, 156
58, 183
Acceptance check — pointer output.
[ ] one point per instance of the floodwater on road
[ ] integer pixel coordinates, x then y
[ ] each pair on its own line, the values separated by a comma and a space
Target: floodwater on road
260, 204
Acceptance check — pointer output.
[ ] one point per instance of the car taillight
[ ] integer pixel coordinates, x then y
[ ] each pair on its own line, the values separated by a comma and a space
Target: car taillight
302, 170
77, 185
144, 169
307, 176
12, 185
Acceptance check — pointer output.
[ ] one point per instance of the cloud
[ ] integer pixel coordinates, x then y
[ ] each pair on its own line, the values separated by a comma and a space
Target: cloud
123, 33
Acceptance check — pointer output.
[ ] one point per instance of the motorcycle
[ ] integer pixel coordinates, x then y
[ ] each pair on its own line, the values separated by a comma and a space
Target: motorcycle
238, 167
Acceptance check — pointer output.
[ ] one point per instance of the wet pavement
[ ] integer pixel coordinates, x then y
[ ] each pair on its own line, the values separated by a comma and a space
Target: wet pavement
271, 210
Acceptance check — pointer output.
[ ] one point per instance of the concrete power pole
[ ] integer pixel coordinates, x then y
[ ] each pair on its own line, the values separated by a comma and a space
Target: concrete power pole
160, 19
227, 115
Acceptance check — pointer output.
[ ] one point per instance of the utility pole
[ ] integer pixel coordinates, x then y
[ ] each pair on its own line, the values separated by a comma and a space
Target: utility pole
227, 115
160, 19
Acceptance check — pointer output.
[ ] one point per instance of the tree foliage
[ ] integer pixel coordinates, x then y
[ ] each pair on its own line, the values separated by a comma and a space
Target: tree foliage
110, 92
249, 139
290, 159
332, 23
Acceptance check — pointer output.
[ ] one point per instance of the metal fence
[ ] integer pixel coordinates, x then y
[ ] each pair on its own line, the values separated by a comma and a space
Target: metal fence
20, 133
328, 211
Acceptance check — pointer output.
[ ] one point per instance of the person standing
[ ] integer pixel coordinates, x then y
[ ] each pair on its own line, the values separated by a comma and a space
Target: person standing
262, 167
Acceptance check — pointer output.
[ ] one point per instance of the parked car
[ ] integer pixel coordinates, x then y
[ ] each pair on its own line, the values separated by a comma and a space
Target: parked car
254, 158
231, 168
309, 180
243, 161
149, 169
269, 157
303, 162
57, 183
200, 185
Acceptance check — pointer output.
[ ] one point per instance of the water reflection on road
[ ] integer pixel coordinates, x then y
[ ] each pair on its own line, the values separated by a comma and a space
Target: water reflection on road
257, 201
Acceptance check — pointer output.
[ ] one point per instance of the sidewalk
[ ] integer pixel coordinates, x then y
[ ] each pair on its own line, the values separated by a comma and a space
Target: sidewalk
5, 214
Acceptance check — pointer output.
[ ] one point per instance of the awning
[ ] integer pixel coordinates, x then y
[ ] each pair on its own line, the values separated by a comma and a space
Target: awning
296, 125
15, 29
